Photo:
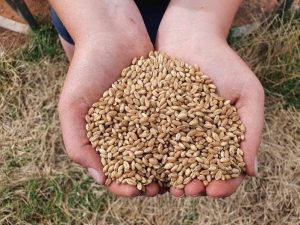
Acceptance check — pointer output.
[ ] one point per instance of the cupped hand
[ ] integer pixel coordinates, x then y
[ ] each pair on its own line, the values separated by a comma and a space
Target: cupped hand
234, 80
96, 64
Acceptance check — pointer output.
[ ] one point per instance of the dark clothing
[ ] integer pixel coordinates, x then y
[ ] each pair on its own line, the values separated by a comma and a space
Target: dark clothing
152, 12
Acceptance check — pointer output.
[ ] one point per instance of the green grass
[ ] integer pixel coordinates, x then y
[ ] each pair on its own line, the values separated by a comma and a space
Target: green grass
59, 200
287, 90
43, 43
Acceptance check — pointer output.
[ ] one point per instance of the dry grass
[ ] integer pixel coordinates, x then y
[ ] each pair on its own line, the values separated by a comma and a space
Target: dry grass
273, 52
10, 40
38, 185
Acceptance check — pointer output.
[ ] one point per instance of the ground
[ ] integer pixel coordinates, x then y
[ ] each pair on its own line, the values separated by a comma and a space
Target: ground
39, 8
39, 185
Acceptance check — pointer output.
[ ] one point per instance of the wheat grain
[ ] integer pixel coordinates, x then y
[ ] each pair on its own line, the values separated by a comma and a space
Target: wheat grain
163, 122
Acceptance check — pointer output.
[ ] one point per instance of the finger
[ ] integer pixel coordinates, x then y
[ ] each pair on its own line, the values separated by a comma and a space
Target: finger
194, 188
77, 145
176, 192
96, 175
123, 190
251, 110
222, 189
151, 190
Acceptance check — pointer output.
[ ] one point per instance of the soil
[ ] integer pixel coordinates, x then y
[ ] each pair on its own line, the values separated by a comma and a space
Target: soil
39, 8
10, 41
252, 10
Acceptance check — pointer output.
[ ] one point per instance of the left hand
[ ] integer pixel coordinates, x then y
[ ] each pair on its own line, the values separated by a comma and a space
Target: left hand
234, 80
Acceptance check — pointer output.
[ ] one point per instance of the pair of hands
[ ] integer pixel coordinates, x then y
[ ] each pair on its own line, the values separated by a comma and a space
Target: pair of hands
99, 59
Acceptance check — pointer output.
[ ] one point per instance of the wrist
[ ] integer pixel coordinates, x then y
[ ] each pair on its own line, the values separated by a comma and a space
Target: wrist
210, 25
193, 40
199, 18
88, 20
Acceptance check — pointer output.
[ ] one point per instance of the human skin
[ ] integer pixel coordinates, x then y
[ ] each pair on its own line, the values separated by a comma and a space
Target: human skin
104, 47
196, 31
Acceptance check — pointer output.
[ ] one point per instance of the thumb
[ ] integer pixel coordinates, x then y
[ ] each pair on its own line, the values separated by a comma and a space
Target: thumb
78, 148
251, 110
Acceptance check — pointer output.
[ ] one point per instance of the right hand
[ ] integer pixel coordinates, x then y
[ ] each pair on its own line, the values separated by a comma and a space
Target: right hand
97, 62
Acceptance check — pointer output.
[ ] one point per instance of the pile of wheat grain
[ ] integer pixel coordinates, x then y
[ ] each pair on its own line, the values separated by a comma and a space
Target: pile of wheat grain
163, 122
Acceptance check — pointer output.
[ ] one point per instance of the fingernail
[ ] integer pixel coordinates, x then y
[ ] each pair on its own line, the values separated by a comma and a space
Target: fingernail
96, 175
256, 166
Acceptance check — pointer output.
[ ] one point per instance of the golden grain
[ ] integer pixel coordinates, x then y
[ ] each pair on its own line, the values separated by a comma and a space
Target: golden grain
163, 122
